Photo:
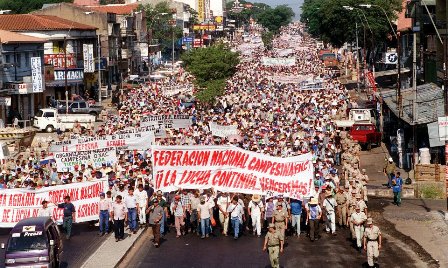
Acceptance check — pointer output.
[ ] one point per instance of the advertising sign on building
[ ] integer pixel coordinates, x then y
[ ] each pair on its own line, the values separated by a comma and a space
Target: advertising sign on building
201, 10
58, 60
73, 74
89, 64
36, 74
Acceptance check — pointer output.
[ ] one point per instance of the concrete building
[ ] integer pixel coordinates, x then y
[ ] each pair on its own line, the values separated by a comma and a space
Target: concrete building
15, 81
59, 62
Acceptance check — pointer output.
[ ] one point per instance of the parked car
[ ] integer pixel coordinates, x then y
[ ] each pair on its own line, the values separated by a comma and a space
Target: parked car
366, 134
80, 107
33, 242
49, 119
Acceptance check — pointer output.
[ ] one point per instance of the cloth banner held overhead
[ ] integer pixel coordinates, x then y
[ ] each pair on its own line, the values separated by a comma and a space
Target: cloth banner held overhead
68, 160
284, 52
223, 131
130, 141
231, 169
19, 204
278, 61
175, 121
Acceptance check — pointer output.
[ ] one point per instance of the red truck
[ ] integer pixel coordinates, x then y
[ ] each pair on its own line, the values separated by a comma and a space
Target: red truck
366, 134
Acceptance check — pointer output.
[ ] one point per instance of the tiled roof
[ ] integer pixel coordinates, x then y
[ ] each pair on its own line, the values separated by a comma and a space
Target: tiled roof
31, 22
119, 9
87, 2
11, 37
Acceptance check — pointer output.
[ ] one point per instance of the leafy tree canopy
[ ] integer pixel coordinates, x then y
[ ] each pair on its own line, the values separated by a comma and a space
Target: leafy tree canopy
274, 18
334, 24
211, 66
26, 6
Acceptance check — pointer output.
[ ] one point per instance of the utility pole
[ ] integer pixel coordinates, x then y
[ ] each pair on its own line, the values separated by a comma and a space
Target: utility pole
445, 97
65, 75
357, 58
414, 88
399, 97
99, 70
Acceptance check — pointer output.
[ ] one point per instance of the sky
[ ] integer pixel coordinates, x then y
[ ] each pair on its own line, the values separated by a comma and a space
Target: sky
294, 4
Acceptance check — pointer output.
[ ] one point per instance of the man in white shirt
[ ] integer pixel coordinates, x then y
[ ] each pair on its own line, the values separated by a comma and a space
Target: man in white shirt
204, 213
329, 205
223, 202
236, 213
44, 211
256, 209
142, 201
132, 206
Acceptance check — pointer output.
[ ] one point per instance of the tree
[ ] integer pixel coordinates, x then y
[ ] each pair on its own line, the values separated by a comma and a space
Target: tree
26, 6
334, 24
159, 19
267, 37
274, 18
211, 66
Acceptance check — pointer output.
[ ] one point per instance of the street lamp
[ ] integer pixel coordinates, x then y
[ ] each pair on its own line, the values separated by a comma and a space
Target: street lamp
398, 97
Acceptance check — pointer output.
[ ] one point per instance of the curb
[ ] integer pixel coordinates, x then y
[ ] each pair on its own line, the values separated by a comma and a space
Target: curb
132, 245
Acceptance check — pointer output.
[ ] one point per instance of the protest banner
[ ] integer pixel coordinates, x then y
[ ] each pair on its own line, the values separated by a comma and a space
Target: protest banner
19, 204
290, 79
284, 52
175, 121
222, 131
231, 169
181, 89
128, 141
267, 61
65, 161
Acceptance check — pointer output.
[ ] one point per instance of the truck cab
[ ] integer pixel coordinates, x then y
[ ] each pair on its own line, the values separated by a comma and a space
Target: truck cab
33, 242
366, 134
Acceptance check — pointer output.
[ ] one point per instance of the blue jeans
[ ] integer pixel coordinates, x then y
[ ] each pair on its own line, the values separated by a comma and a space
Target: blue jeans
132, 219
236, 226
338, 159
205, 226
104, 221
162, 224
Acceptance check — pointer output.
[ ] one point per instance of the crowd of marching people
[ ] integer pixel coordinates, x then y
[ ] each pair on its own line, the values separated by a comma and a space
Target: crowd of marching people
273, 118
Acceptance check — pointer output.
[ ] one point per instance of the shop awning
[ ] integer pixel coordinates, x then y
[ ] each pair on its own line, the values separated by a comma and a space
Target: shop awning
60, 83
429, 103
391, 72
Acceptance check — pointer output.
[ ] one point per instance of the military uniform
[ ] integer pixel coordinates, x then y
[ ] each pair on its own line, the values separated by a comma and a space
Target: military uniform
341, 209
280, 217
358, 219
372, 234
274, 240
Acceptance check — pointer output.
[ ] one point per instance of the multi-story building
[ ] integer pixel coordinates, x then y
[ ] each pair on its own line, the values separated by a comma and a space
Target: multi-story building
62, 53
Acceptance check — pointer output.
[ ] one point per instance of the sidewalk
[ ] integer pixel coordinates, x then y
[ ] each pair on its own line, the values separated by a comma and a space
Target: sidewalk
110, 253
423, 221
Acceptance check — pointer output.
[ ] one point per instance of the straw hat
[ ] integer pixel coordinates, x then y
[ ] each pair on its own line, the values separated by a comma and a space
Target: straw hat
256, 198
369, 221
314, 201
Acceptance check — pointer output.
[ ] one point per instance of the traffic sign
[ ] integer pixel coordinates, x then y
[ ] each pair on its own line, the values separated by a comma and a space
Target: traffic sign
187, 40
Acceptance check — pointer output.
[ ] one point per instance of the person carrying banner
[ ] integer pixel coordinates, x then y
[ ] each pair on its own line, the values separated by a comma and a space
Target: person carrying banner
69, 216
104, 207
256, 210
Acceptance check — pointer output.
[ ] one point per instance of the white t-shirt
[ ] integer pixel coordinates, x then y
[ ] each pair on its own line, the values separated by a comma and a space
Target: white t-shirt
142, 197
204, 210
255, 208
44, 212
223, 202
130, 201
236, 211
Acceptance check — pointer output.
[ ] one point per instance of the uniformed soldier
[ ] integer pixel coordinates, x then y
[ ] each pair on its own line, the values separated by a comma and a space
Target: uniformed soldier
273, 242
341, 209
280, 219
372, 242
358, 218
361, 203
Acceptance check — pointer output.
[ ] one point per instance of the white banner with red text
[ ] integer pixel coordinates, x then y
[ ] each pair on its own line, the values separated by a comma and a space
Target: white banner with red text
130, 141
19, 204
222, 131
66, 161
278, 61
231, 169
169, 121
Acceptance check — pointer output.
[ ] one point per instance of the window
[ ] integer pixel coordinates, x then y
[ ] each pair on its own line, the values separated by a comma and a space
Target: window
82, 105
27, 59
49, 114
8, 58
27, 241
18, 59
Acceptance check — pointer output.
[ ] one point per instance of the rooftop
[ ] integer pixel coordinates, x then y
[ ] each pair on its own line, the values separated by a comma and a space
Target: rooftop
31, 22
7, 37
119, 9
429, 103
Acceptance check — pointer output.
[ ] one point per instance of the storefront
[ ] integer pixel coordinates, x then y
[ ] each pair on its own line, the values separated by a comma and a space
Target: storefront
56, 84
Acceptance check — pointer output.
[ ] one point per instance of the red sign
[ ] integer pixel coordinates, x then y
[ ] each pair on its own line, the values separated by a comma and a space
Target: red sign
197, 42
371, 80
58, 60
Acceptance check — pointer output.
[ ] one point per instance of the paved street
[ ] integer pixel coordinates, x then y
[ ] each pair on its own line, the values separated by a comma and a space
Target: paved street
84, 242
192, 252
